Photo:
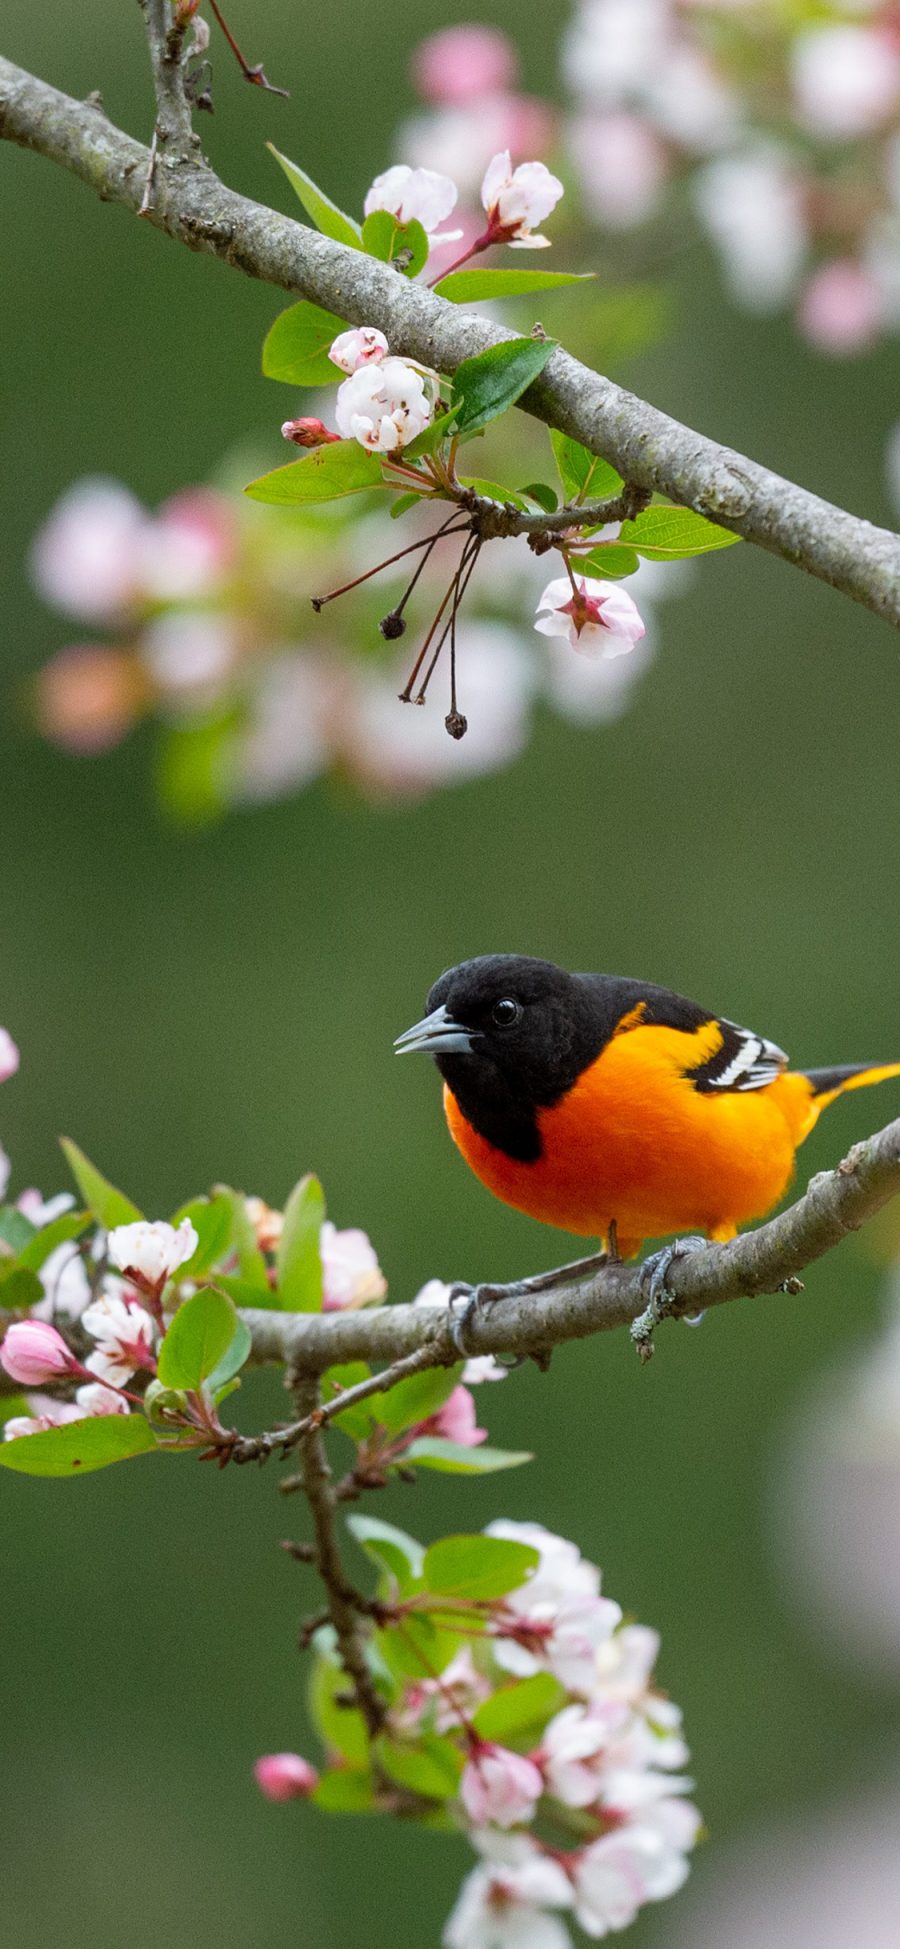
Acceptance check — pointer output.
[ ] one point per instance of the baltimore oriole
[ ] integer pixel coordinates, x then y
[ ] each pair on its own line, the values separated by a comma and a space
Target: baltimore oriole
591, 1101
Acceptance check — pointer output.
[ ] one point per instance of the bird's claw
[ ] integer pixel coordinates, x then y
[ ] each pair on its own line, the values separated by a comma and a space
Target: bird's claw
477, 1298
660, 1300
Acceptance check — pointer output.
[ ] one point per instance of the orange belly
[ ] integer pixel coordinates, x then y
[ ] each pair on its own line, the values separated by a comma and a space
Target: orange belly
633, 1142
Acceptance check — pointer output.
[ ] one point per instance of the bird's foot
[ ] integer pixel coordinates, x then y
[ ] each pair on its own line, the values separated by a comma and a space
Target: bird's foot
478, 1299
660, 1301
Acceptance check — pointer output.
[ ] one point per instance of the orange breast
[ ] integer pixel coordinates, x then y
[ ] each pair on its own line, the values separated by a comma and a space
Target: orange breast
633, 1141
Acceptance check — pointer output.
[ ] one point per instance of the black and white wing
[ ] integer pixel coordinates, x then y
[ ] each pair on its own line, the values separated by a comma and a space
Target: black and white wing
744, 1062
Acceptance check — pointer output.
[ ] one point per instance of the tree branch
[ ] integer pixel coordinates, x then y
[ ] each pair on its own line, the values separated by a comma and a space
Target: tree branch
344, 1603
581, 1302
177, 140
648, 448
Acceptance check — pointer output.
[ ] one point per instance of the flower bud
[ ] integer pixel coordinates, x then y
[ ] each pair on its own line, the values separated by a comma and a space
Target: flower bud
33, 1352
307, 433
285, 1776
363, 346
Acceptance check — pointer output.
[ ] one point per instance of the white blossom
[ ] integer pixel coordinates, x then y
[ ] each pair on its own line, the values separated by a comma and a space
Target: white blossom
598, 618
752, 205
518, 199
415, 195
364, 345
351, 1274
503, 1903
152, 1250
124, 1333
384, 406
846, 79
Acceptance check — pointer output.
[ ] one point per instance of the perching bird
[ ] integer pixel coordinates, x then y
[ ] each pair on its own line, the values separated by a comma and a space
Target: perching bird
592, 1101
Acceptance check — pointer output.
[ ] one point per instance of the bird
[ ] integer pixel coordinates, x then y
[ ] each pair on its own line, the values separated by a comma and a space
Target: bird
613, 1108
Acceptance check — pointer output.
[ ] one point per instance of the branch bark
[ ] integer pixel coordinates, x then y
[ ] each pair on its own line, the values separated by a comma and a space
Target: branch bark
648, 447
580, 1302
344, 1603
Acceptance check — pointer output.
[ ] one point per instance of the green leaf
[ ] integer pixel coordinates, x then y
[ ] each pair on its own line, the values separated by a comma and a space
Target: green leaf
295, 348
347, 1790
198, 1339
298, 1260
69, 1225
478, 1566
193, 766
221, 1381
80, 1446
431, 438
412, 1400
241, 1290
405, 245
325, 215
492, 490
450, 1458
669, 534
109, 1206
468, 287
518, 1713
546, 497
14, 1404
486, 386
402, 504
325, 474
391, 1548
610, 561
16, 1230
430, 1765
584, 475
212, 1222
341, 1727
251, 1263
21, 1288
416, 1648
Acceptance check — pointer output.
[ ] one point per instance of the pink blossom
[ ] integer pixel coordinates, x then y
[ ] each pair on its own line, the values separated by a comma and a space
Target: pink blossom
384, 406
351, 1274
414, 195
150, 1251
458, 63
307, 432
286, 742
600, 619
285, 1776
456, 1420
125, 1338
188, 547
86, 557
846, 79
499, 1786
840, 310
364, 345
9, 1056
88, 696
33, 1352
190, 653
517, 199
574, 1738
622, 167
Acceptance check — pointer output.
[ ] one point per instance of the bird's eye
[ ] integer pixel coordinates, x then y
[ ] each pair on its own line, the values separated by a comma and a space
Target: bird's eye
505, 1013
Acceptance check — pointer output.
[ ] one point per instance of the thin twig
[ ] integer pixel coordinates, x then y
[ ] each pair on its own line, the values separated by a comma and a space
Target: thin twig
345, 1605
648, 447
257, 1448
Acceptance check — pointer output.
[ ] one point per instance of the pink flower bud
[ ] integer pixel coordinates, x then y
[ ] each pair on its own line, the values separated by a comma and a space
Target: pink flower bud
307, 433
285, 1776
365, 345
499, 1786
33, 1352
456, 1420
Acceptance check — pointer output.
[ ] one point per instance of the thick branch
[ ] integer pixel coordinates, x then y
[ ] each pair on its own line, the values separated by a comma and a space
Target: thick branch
582, 1303
649, 449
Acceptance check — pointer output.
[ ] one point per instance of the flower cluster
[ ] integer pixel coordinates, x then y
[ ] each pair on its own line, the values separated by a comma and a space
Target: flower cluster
783, 123
535, 1723
206, 626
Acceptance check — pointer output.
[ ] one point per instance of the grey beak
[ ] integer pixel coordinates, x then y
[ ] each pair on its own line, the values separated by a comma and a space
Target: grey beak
436, 1034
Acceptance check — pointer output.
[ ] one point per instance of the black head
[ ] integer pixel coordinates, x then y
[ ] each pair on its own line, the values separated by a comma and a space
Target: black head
510, 1035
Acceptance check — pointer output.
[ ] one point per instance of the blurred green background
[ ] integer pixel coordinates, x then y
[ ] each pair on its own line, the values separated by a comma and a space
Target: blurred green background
223, 1005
